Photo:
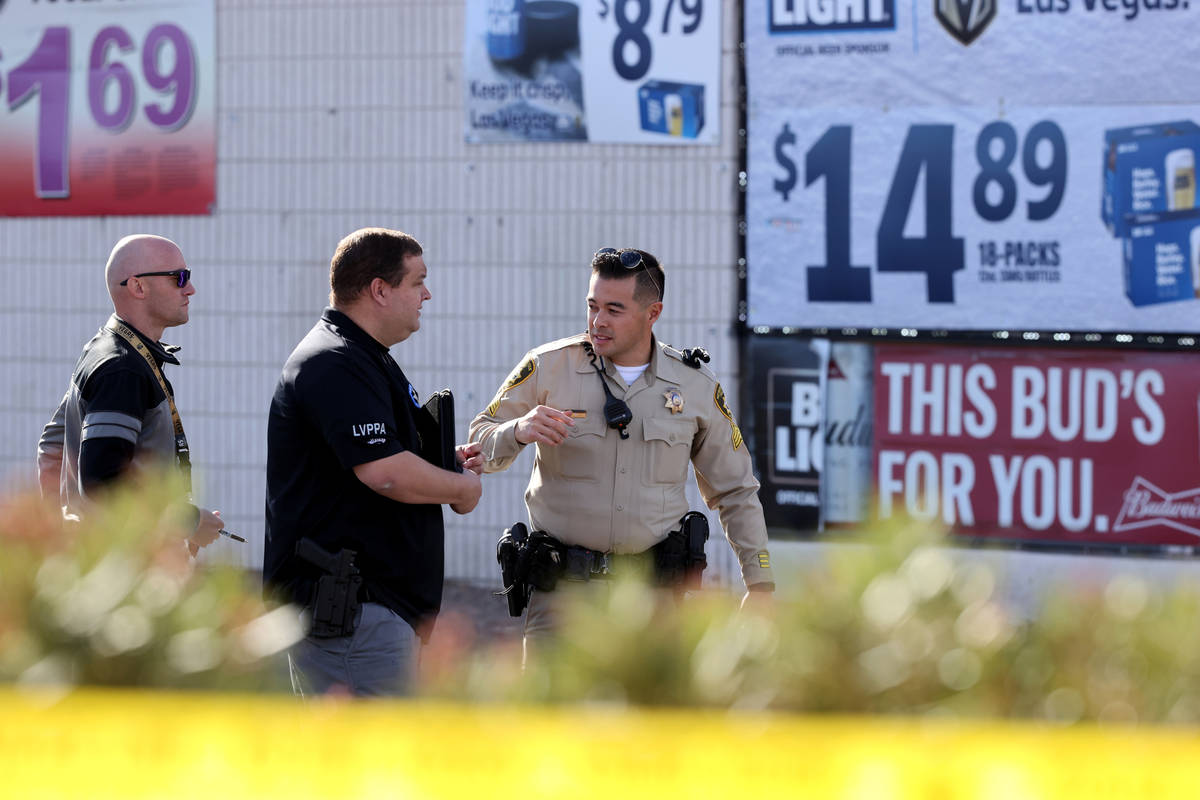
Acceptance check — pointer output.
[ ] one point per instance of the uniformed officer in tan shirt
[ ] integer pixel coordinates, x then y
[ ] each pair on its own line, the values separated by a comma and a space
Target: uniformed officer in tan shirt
591, 487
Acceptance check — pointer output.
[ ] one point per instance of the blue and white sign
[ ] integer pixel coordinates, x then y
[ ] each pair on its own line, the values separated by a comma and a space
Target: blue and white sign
636, 71
973, 166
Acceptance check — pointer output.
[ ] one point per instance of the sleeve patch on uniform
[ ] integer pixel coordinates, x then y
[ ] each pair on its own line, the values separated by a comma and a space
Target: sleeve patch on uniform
764, 559
719, 399
518, 376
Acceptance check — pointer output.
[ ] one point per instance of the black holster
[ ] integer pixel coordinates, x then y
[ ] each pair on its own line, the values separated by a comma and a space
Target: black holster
527, 561
679, 559
509, 553
335, 602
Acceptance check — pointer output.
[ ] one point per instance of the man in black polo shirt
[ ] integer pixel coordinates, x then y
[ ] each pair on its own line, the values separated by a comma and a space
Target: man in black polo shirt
344, 471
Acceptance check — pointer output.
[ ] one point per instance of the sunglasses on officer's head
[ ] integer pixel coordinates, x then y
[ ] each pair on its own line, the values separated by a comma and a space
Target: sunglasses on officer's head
630, 260
181, 276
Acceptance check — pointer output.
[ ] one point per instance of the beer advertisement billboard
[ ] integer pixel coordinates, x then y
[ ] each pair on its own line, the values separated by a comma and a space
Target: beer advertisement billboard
972, 166
783, 427
809, 429
1034, 445
595, 71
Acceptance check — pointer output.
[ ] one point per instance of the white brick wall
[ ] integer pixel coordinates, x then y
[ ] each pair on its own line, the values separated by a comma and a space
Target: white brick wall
336, 115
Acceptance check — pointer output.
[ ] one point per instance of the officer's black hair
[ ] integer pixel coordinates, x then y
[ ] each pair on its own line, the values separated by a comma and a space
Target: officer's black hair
365, 255
608, 265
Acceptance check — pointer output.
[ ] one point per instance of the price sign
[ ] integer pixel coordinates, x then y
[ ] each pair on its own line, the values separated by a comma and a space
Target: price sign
954, 218
935, 166
927, 152
655, 74
645, 71
107, 108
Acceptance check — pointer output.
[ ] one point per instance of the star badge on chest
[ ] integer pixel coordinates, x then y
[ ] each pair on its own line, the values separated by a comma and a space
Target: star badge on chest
674, 400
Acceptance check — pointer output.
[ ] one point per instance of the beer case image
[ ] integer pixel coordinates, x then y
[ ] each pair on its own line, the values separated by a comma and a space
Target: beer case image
1162, 257
676, 109
1147, 170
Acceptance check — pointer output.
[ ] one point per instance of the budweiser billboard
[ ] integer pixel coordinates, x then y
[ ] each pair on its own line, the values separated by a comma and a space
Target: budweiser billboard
784, 429
1050, 446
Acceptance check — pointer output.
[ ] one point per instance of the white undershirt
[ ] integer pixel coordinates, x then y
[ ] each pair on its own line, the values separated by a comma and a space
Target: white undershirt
631, 374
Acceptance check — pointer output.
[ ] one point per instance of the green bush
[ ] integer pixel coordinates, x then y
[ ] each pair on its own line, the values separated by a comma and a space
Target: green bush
896, 624
115, 600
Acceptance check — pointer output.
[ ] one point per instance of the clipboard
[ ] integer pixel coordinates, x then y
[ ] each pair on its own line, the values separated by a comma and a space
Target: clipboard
437, 443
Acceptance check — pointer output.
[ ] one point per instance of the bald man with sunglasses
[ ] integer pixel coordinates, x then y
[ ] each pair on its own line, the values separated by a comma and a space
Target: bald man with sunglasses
119, 411
616, 416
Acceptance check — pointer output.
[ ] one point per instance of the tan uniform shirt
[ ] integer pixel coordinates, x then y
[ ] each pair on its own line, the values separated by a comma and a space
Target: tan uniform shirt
623, 496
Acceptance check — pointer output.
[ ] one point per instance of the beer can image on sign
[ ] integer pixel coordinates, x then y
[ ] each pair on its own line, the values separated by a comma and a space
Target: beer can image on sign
1181, 179
676, 109
505, 30
519, 31
848, 419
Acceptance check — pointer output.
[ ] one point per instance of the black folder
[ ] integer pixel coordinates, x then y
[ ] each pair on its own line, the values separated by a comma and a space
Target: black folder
437, 441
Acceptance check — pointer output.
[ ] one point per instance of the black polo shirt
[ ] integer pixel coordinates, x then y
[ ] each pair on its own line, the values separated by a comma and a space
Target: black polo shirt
340, 402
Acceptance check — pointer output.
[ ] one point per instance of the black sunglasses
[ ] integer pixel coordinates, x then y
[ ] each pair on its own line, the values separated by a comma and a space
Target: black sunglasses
630, 259
181, 276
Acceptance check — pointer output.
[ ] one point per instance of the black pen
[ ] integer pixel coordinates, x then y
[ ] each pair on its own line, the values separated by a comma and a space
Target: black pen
233, 536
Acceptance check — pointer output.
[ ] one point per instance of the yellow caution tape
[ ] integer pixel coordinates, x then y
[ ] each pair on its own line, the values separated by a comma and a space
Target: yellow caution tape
130, 744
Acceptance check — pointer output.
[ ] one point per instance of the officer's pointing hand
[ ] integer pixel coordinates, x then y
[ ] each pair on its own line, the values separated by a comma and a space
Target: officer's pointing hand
545, 425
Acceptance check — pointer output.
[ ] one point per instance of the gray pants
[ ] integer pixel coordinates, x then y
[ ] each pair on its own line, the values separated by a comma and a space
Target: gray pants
378, 659
543, 617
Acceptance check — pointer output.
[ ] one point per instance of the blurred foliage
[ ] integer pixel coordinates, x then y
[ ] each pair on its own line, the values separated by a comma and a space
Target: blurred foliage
900, 623
116, 600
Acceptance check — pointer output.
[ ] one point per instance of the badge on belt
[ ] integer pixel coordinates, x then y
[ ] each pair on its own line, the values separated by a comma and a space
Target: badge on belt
674, 400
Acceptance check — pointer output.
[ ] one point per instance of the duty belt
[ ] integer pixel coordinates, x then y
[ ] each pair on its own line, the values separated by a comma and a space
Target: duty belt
582, 564
537, 560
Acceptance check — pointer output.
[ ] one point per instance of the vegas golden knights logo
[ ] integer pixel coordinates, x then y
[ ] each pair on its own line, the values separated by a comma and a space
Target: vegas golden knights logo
964, 19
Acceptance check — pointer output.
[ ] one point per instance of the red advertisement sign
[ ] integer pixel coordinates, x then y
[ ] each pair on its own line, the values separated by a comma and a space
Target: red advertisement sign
1089, 447
107, 108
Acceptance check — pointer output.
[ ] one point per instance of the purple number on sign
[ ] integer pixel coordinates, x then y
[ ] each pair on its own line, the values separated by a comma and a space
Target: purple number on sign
99, 75
46, 72
181, 79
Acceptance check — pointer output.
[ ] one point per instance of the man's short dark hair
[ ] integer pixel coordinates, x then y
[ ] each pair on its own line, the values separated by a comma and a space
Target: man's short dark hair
365, 255
651, 282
